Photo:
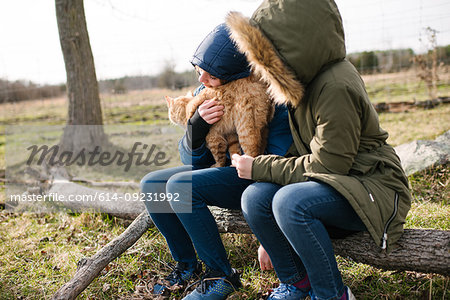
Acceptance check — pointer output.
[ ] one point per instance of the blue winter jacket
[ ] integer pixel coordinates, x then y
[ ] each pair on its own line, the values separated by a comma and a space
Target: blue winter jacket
218, 56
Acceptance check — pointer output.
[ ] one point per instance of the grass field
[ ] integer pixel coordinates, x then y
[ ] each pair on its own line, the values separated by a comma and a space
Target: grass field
39, 252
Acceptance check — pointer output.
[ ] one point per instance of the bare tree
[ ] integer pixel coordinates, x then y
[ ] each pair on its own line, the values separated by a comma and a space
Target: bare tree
82, 86
428, 72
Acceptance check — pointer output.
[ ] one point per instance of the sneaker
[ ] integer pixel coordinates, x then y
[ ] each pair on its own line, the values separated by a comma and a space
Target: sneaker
180, 275
348, 294
287, 292
215, 286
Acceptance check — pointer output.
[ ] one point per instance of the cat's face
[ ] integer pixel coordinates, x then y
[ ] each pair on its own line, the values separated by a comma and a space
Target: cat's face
177, 109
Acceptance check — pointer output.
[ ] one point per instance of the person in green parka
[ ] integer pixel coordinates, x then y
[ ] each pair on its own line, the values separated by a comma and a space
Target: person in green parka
340, 175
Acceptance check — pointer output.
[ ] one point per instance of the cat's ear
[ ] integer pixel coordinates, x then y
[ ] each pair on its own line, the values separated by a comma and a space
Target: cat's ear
169, 100
189, 94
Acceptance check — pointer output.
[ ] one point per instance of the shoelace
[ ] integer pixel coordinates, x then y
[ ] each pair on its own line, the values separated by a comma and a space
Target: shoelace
176, 275
206, 282
282, 289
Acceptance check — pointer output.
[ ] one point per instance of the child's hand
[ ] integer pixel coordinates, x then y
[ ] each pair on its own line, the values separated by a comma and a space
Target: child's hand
211, 111
264, 260
243, 164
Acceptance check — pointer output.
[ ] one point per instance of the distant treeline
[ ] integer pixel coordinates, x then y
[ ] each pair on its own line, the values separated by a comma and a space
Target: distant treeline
26, 90
387, 61
14, 91
167, 79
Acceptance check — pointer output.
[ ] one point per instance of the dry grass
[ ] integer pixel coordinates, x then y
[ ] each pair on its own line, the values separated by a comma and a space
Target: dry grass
409, 76
142, 97
403, 86
135, 106
419, 124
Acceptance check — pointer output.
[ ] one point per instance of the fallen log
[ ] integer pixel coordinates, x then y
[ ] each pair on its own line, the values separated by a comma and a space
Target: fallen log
396, 107
420, 250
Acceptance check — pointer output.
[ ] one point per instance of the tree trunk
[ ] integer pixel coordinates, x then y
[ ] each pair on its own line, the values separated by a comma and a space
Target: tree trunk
82, 86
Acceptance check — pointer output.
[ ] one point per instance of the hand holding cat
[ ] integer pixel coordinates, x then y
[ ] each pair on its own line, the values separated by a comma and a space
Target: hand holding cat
211, 111
243, 165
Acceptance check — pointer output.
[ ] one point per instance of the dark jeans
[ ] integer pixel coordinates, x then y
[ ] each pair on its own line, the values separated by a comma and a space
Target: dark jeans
183, 231
290, 222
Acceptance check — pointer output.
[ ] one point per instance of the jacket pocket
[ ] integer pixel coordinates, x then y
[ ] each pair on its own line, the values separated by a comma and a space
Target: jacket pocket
367, 190
363, 183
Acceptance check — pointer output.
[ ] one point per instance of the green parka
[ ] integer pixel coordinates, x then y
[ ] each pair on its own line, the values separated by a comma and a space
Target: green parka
298, 48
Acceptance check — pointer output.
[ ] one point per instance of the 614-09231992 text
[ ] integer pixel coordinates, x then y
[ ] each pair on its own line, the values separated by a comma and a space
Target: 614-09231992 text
98, 196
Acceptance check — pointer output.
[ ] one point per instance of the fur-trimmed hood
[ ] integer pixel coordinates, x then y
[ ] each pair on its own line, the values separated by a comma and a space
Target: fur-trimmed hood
288, 42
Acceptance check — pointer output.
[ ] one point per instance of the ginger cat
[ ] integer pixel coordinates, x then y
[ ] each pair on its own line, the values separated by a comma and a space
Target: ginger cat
247, 112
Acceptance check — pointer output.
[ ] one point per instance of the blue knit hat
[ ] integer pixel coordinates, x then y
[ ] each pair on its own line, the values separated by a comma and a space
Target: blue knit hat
217, 54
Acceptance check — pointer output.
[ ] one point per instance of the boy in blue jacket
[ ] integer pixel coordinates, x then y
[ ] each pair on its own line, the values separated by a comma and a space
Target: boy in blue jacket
188, 226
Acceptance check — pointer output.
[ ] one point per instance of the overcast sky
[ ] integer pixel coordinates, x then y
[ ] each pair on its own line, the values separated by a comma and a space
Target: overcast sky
137, 37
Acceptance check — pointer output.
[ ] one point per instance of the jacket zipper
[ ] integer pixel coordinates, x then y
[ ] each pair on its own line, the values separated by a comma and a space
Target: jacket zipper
388, 223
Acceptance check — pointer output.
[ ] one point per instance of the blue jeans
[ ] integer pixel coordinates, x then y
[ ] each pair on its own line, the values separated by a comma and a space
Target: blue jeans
291, 223
187, 232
